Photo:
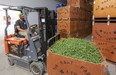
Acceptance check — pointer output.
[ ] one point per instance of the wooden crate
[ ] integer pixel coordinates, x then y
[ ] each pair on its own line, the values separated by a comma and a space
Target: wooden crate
62, 65
104, 8
76, 3
67, 26
107, 49
89, 7
80, 27
66, 35
84, 4
79, 34
104, 32
67, 12
73, 13
83, 33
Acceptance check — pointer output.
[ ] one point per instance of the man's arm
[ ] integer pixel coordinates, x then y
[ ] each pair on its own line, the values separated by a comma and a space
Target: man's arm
22, 30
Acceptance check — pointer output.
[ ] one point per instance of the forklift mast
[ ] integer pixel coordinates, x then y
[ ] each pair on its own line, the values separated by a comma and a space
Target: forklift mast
47, 27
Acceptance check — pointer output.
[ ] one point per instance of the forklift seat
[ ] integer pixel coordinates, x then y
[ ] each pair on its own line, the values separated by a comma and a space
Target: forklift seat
16, 41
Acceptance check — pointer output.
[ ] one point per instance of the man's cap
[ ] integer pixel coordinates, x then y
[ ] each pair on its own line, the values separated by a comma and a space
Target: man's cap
21, 14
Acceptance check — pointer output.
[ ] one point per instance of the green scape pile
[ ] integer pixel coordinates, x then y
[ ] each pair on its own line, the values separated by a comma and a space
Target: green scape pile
77, 48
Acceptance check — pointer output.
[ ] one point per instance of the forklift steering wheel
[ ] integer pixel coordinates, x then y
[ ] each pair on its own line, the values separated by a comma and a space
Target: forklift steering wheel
34, 30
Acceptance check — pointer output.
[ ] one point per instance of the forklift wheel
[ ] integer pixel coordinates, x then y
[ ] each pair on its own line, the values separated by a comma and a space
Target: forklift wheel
11, 63
37, 68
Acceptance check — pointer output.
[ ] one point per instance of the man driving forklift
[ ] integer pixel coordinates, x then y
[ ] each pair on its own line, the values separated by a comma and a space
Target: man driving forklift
30, 53
21, 27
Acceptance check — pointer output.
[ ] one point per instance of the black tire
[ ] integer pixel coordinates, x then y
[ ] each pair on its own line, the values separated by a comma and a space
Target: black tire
11, 62
37, 68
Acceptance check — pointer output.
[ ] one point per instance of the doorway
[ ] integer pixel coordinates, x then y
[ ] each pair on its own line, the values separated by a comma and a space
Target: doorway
13, 16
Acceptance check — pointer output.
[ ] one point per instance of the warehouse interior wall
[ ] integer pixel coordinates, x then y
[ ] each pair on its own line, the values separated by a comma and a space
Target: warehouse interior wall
51, 4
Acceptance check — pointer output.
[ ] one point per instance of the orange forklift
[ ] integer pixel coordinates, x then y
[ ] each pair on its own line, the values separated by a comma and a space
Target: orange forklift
31, 53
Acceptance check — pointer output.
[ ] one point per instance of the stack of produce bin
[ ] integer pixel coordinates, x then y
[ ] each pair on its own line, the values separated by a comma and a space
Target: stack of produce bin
104, 27
74, 20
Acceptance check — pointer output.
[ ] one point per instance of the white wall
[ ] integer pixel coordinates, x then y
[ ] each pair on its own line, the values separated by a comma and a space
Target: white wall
51, 4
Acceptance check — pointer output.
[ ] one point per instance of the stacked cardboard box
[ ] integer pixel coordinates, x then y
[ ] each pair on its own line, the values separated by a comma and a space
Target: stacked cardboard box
104, 28
74, 21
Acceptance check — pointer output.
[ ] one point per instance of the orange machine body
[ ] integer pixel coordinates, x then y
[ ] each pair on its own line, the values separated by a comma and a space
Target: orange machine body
11, 39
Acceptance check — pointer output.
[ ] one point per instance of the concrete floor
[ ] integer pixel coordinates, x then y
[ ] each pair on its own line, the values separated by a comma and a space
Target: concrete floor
5, 69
